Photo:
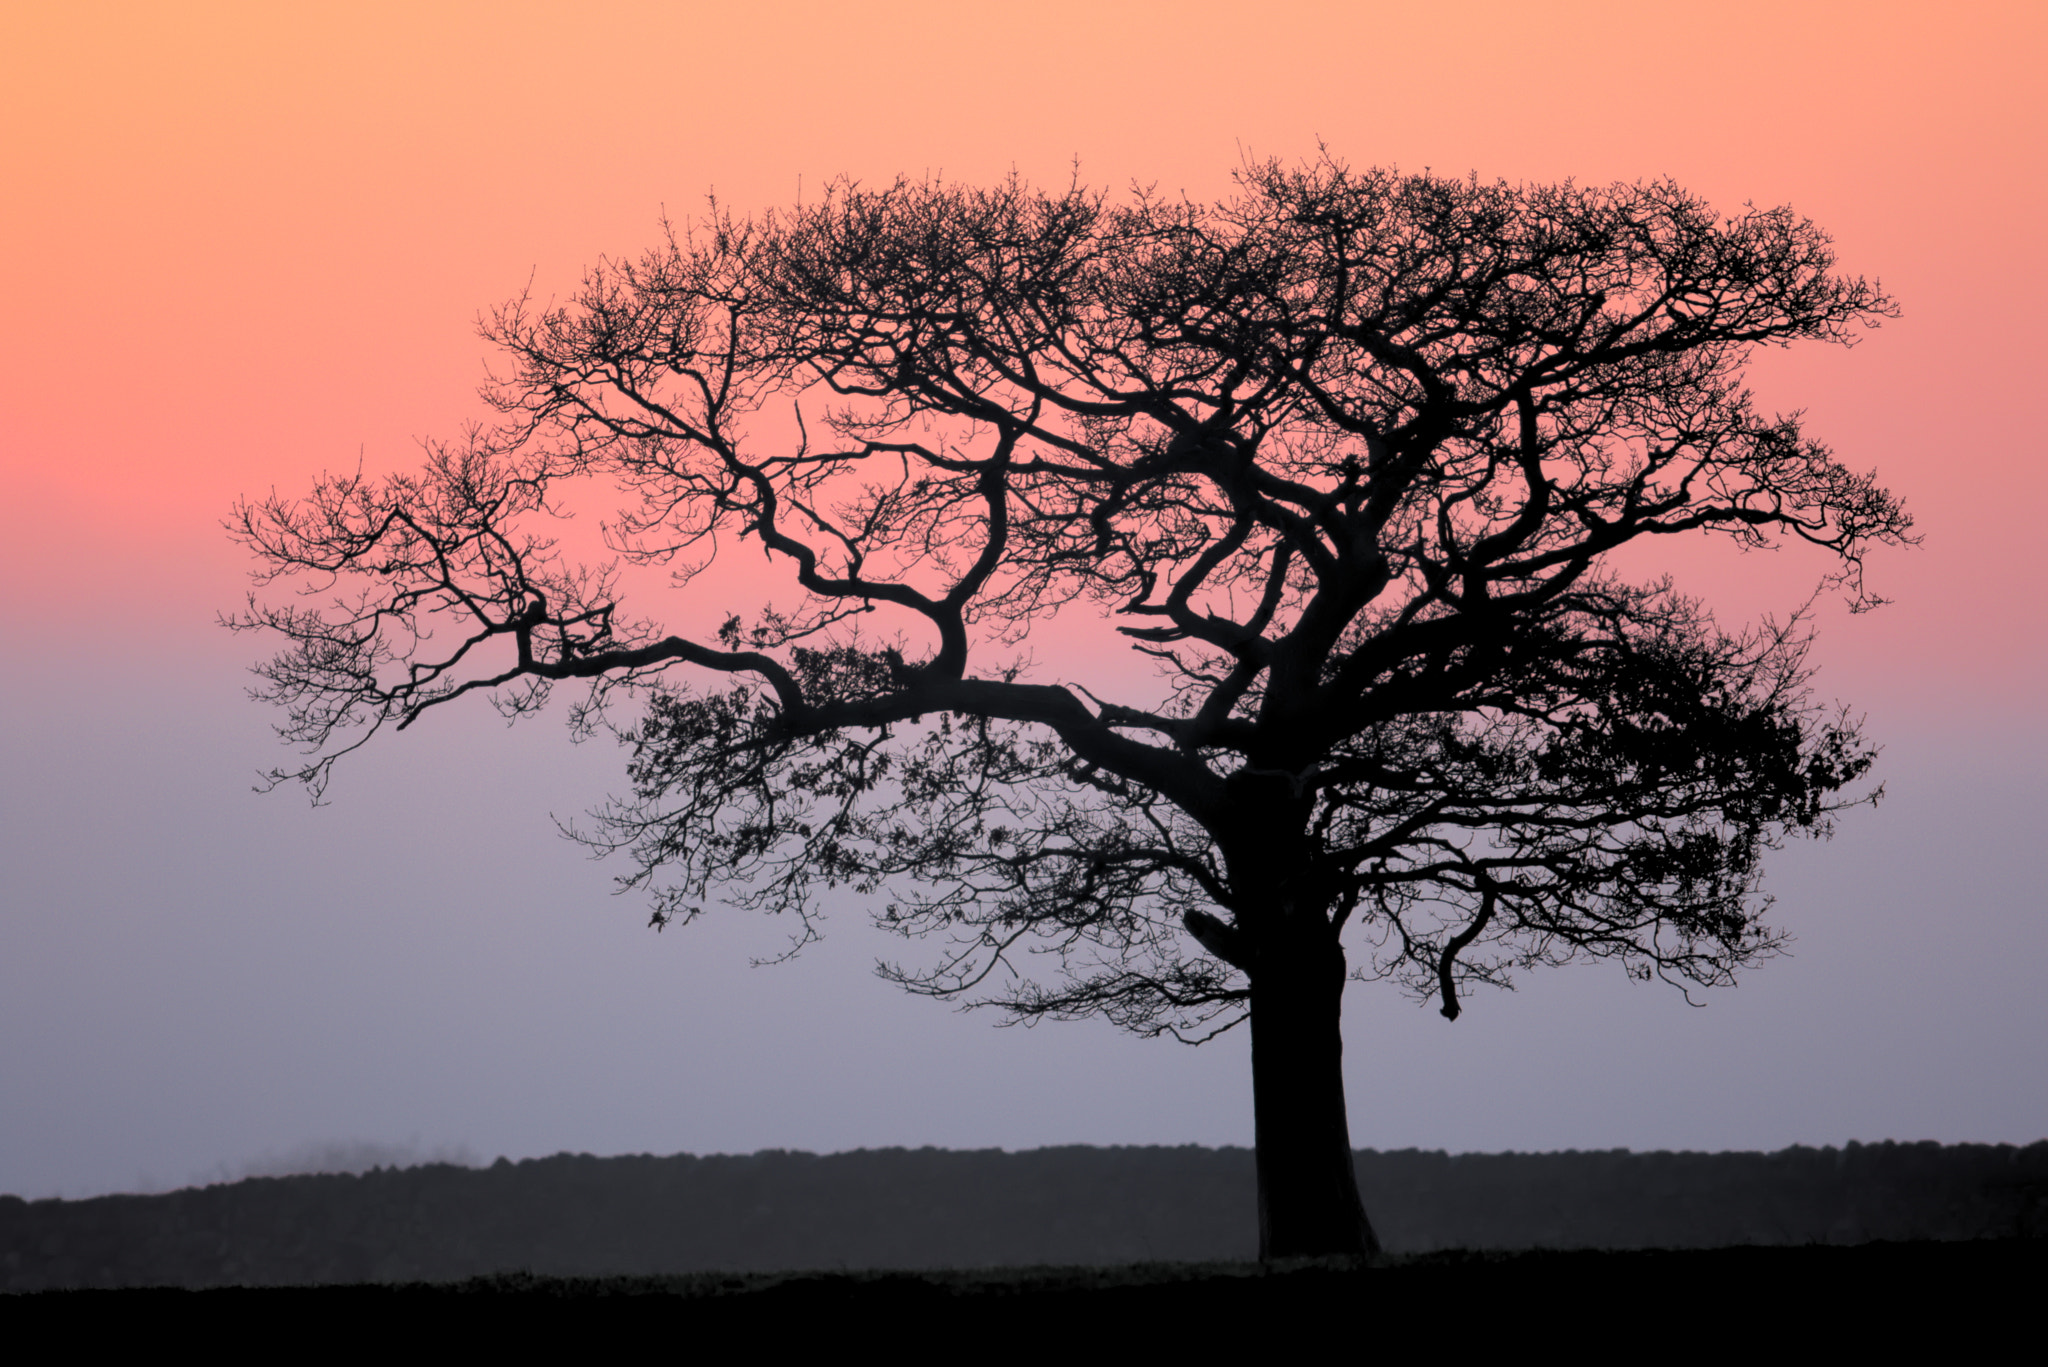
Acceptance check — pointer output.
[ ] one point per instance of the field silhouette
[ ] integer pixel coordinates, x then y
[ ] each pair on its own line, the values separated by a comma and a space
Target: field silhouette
577, 1216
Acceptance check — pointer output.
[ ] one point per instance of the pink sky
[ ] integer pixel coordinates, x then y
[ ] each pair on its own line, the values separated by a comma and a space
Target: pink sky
244, 242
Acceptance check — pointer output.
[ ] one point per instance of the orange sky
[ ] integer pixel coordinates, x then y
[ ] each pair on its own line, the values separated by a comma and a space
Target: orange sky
243, 242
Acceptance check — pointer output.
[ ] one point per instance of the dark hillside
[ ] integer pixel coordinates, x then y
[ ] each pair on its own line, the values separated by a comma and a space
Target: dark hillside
571, 1216
1615, 1199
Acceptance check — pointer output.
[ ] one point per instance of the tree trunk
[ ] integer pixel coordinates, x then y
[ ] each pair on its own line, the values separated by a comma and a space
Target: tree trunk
1308, 1189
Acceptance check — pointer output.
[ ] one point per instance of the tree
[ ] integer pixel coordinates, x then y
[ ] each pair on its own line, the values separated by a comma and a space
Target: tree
1346, 456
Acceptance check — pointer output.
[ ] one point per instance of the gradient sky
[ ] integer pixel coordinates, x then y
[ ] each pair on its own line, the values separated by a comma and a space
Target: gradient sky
243, 243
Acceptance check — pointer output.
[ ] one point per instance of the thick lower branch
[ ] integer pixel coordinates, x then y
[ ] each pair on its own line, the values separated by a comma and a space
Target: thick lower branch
1487, 900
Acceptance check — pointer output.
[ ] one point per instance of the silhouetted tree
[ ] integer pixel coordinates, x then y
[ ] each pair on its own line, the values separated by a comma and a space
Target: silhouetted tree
1342, 455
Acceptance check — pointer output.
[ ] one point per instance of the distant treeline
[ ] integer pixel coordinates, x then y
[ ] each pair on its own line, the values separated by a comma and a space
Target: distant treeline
575, 1215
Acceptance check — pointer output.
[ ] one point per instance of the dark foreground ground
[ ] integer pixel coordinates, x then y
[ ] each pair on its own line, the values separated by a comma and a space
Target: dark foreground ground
1691, 1303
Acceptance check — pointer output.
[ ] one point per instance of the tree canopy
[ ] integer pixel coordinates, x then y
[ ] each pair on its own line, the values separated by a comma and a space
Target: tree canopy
1344, 456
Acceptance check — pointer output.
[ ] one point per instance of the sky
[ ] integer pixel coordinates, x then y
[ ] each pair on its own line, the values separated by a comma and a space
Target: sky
242, 244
